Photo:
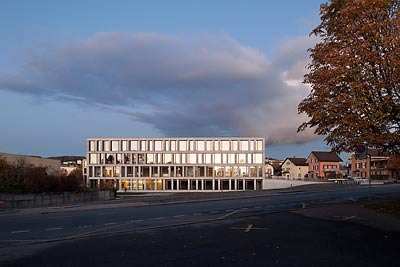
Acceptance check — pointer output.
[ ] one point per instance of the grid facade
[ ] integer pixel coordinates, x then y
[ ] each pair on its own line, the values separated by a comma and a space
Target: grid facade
176, 164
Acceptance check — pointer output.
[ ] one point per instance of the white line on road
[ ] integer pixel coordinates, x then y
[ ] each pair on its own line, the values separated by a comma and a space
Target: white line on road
111, 223
53, 229
85, 226
158, 218
215, 211
21, 231
139, 220
229, 214
178, 216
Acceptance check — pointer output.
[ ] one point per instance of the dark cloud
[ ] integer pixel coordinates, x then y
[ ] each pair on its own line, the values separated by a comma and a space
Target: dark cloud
204, 86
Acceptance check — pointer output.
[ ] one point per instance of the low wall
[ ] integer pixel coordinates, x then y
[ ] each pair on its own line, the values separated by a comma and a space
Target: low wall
19, 201
283, 183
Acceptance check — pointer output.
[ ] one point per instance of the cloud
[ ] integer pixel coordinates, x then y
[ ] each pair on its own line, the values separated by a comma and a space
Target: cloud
208, 85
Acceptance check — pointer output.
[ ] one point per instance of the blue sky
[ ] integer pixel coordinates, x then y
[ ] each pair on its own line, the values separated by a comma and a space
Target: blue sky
76, 69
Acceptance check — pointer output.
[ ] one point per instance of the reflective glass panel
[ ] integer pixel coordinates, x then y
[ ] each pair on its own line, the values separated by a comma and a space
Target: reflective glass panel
259, 145
182, 145
242, 159
124, 145
217, 158
208, 159
134, 145
143, 144
234, 145
158, 145
106, 146
114, 145
225, 145
200, 145
244, 145
257, 158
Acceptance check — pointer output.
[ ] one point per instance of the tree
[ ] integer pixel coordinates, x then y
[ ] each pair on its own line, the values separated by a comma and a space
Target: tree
355, 75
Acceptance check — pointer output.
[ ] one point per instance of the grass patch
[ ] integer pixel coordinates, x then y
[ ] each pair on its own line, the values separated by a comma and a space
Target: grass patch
391, 207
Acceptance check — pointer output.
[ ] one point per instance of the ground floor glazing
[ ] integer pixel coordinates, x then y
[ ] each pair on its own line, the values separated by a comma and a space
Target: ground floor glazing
177, 184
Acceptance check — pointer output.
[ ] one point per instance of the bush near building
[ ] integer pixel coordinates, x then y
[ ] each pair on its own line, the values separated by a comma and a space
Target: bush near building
23, 178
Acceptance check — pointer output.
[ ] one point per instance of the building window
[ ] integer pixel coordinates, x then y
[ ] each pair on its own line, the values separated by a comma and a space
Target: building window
244, 145
114, 145
134, 145
158, 145
225, 145
234, 145
259, 146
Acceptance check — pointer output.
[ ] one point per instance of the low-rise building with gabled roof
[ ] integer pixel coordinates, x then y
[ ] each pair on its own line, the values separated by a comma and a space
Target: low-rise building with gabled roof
295, 168
323, 165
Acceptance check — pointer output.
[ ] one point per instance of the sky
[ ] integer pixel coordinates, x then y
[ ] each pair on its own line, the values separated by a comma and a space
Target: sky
70, 70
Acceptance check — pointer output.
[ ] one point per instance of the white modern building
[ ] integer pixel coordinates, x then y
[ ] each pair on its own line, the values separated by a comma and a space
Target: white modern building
176, 164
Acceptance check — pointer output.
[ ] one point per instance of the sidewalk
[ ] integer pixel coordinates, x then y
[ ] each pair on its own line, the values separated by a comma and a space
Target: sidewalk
354, 213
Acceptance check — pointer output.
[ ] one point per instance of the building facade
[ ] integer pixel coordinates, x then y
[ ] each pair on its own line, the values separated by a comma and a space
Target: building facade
323, 165
295, 168
176, 164
378, 165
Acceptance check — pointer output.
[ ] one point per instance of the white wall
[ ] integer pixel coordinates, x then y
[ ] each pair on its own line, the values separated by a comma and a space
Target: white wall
282, 183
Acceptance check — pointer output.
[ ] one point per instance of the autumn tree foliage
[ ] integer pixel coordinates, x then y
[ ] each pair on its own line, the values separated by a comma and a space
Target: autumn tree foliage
355, 75
24, 178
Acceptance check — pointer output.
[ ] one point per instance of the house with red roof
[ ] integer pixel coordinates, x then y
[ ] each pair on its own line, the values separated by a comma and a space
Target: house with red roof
323, 165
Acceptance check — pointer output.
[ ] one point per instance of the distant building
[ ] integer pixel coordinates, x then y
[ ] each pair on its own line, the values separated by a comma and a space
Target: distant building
52, 166
176, 164
295, 168
323, 165
378, 165
269, 170
277, 166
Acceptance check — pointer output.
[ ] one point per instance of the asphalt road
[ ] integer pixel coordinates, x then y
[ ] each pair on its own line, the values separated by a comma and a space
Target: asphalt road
255, 231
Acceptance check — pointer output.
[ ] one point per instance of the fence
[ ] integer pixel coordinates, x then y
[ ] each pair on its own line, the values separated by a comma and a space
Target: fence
19, 201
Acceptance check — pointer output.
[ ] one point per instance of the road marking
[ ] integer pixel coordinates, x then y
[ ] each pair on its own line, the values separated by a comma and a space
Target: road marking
111, 223
85, 226
53, 229
139, 220
21, 231
249, 228
229, 214
228, 210
244, 208
158, 218
214, 212
348, 218
179, 216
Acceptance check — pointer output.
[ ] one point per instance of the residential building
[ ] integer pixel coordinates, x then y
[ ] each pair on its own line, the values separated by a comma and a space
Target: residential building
295, 168
323, 165
269, 170
277, 166
378, 165
176, 164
